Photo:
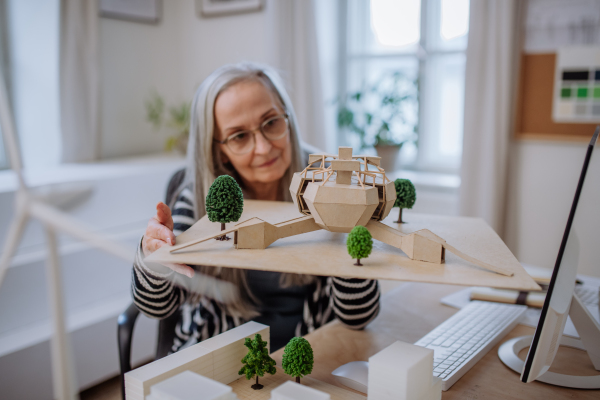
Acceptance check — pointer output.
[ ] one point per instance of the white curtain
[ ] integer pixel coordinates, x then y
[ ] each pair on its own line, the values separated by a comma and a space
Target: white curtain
294, 40
491, 74
79, 91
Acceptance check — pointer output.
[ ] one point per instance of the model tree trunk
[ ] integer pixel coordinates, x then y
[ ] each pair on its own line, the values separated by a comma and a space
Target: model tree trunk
257, 385
358, 262
224, 237
400, 217
297, 379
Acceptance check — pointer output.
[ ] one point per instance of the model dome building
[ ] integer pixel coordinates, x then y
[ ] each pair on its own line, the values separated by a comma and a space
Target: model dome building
343, 191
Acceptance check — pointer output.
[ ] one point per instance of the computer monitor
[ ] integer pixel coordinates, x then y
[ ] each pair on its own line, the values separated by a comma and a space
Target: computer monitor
561, 302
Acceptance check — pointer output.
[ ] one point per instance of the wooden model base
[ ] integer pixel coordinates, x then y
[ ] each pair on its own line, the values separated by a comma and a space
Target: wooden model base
242, 388
320, 252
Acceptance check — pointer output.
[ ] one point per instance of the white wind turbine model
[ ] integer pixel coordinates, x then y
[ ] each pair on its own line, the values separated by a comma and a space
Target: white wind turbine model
28, 206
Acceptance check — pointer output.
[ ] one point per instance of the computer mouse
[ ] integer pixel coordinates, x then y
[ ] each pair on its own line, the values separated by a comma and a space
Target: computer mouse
355, 375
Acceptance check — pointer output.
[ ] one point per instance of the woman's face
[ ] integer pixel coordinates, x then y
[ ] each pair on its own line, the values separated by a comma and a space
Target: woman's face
245, 106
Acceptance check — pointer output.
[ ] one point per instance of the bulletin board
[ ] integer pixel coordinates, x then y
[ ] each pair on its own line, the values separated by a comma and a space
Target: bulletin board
535, 100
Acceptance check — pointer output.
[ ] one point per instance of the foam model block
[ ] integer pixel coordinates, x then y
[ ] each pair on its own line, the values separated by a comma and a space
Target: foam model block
295, 391
190, 386
218, 358
403, 371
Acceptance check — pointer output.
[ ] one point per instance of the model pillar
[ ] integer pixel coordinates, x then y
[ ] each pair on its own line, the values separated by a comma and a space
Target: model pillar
403, 371
344, 177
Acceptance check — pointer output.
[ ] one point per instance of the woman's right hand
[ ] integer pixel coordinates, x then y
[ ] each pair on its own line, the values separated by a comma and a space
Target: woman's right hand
160, 232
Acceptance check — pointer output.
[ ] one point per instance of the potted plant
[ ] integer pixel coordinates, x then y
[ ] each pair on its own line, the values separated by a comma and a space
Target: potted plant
178, 121
383, 116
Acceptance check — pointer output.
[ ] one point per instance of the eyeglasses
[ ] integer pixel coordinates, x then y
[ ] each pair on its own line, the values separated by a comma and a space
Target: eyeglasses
243, 142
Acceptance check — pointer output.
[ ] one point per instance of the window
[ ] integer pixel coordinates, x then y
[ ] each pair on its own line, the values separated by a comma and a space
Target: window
424, 41
32, 60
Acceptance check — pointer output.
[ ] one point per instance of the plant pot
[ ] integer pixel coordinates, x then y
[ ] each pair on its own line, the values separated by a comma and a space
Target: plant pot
390, 156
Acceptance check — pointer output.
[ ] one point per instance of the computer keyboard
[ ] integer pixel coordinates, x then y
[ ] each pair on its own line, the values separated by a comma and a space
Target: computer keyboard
463, 339
588, 295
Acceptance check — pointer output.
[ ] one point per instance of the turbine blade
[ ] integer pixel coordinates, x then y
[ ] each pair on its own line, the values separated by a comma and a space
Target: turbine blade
8, 132
15, 231
64, 223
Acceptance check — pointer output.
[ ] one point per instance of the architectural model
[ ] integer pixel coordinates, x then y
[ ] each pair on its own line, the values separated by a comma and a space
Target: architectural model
217, 358
403, 371
209, 370
339, 193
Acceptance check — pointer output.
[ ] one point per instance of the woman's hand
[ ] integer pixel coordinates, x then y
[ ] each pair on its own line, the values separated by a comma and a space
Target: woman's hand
160, 232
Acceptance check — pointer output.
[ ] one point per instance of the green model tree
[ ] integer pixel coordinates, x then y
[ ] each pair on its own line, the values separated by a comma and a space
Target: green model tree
359, 243
257, 361
406, 195
224, 202
298, 358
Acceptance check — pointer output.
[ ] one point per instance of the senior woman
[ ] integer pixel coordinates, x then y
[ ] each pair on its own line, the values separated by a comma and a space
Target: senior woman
243, 125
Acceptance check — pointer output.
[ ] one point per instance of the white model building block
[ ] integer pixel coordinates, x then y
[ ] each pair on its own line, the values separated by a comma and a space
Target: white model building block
294, 391
217, 358
403, 371
190, 386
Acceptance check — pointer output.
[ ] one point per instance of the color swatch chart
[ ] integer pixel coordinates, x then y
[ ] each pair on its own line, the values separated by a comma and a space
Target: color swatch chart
577, 85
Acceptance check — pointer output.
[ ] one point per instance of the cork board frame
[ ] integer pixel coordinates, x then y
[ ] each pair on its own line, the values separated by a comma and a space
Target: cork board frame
534, 103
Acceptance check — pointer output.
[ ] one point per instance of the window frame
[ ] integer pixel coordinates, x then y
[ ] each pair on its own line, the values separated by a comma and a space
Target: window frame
430, 23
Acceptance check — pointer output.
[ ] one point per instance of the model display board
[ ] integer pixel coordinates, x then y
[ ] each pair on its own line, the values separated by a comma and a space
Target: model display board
274, 382
325, 253
337, 196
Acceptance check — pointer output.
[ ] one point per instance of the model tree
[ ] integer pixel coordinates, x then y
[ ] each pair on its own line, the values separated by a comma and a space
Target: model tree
359, 243
406, 195
257, 361
298, 358
224, 202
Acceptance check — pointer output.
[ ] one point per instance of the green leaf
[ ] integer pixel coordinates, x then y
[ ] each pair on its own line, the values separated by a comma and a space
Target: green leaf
345, 117
359, 242
155, 107
406, 194
225, 201
257, 361
298, 358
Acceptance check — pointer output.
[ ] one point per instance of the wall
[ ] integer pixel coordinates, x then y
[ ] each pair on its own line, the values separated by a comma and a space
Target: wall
543, 179
172, 57
34, 72
543, 174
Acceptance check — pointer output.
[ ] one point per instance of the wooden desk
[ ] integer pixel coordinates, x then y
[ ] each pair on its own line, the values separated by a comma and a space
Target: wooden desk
411, 310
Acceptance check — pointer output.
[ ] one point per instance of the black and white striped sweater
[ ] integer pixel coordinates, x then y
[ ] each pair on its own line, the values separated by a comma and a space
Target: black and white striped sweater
355, 302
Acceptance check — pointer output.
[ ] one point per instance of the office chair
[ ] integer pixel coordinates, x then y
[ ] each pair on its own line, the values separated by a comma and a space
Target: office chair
126, 321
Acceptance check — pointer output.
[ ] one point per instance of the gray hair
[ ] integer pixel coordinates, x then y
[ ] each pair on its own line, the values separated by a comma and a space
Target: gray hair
204, 164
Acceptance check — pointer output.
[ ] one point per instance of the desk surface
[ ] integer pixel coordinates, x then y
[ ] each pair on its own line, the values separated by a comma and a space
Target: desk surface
410, 311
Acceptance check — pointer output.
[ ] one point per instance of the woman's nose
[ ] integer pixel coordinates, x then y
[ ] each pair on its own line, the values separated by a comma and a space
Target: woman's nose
263, 146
